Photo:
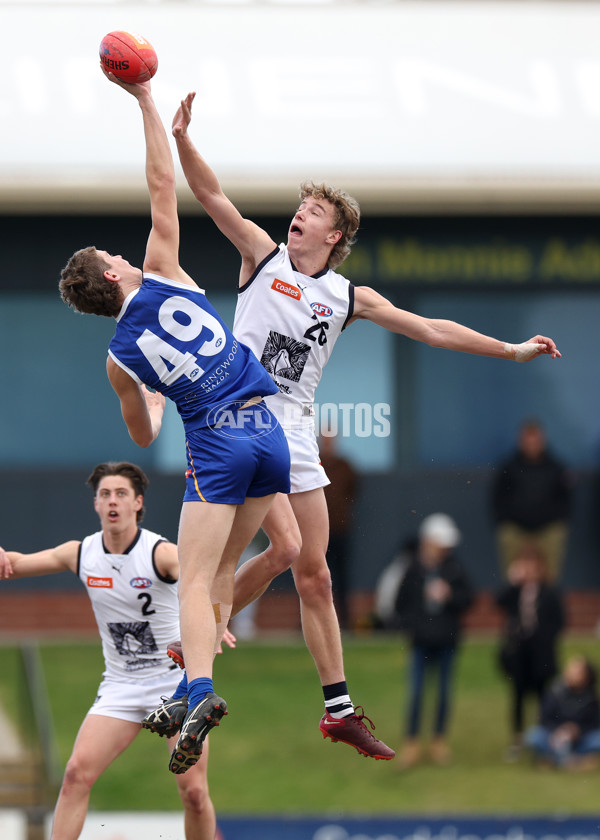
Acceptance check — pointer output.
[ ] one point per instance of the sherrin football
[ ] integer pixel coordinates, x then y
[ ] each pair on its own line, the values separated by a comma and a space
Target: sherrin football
130, 58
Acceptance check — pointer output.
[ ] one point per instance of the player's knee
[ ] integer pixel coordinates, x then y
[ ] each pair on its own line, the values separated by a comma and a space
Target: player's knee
283, 554
313, 582
194, 796
77, 775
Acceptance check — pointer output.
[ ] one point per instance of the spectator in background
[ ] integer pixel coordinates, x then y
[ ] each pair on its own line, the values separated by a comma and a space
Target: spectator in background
531, 500
534, 620
384, 616
568, 734
433, 595
340, 496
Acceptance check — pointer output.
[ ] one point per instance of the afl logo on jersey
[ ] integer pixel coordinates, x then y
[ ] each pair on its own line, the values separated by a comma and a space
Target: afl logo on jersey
286, 289
322, 309
140, 583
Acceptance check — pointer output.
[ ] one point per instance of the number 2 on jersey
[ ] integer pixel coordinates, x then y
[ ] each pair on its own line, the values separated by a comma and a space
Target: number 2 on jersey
146, 597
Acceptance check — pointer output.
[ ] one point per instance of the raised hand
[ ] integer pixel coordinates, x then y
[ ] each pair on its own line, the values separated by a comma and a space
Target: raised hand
183, 115
138, 89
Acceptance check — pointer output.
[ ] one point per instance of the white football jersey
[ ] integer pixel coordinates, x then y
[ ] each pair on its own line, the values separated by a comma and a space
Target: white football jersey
291, 322
137, 611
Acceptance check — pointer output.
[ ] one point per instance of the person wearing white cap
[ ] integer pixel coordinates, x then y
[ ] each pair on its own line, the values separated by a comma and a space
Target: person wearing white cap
440, 529
433, 595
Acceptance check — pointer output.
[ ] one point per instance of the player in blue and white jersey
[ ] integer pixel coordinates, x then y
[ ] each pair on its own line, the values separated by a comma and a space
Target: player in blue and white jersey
130, 575
292, 307
168, 337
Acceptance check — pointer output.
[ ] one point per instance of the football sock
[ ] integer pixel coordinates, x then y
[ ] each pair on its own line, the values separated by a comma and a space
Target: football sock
182, 688
337, 700
198, 689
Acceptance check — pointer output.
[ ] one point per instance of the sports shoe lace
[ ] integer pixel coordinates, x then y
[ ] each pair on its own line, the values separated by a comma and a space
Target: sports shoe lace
362, 716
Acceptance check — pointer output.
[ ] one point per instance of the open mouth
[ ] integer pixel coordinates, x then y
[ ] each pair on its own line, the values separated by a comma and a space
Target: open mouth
295, 231
113, 515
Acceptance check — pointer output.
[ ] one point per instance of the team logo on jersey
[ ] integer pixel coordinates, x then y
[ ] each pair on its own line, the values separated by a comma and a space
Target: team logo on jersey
135, 640
322, 309
99, 583
284, 356
140, 583
286, 289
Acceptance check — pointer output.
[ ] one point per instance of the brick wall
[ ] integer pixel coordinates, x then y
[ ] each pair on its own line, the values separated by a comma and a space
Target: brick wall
38, 612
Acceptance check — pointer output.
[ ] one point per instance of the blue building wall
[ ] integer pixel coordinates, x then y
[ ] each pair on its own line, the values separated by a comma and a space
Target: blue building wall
451, 417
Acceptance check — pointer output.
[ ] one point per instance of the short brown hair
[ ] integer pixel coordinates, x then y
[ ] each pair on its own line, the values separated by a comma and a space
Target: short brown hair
347, 218
138, 478
84, 287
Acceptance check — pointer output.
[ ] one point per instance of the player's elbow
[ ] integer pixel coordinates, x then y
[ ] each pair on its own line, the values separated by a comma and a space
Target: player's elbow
143, 440
161, 182
432, 337
141, 436
208, 198
435, 341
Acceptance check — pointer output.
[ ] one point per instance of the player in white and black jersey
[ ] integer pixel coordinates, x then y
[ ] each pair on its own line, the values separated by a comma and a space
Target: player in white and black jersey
292, 306
130, 575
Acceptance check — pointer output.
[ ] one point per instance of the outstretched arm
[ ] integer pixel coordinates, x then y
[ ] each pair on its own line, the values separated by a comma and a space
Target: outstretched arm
14, 564
371, 306
142, 409
162, 250
253, 243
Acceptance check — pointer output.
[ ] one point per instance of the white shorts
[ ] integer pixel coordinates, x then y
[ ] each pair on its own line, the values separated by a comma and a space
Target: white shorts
306, 472
135, 699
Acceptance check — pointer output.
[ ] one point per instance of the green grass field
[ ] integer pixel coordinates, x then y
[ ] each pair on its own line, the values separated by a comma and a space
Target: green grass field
269, 756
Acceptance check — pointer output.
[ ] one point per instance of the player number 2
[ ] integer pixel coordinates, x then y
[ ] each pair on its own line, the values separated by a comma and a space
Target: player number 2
146, 597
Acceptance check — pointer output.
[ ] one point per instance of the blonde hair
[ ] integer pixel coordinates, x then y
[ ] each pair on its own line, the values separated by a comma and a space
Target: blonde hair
347, 217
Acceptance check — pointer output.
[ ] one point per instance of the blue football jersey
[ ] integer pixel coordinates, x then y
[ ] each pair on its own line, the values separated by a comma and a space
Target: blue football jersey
171, 339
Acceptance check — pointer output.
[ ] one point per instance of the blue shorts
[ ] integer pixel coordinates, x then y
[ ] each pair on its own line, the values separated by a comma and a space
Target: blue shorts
241, 453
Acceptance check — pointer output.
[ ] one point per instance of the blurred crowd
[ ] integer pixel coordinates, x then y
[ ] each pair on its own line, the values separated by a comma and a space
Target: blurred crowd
425, 592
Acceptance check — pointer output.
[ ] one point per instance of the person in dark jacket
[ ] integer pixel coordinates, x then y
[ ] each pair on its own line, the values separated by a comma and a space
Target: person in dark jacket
534, 620
568, 734
531, 500
432, 597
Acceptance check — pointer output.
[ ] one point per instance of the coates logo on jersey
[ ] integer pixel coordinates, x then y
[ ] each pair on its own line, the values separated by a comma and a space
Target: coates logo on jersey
140, 583
322, 309
99, 583
286, 289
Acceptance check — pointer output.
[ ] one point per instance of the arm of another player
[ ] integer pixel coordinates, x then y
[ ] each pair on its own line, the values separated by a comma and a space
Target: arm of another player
142, 409
371, 306
62, 558
162, 249
253, 243
166, 560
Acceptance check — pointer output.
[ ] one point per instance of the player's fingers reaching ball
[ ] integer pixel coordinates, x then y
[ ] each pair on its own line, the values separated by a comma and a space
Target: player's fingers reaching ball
128, 86
183, 116
180, 122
